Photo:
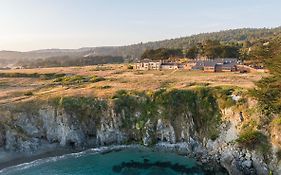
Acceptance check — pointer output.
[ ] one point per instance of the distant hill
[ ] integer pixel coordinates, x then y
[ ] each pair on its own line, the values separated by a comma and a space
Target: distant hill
13, 57
135, 50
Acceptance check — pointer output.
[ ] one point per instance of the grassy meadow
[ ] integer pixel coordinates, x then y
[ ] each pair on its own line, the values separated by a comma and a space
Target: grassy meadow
104, 81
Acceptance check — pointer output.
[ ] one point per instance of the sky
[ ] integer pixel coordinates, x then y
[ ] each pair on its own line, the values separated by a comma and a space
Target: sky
42, 24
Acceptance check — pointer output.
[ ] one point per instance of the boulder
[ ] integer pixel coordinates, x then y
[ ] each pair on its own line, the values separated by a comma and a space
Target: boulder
229, 163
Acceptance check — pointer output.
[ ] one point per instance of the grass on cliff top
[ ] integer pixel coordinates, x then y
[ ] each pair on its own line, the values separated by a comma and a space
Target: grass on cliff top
117, 77
83, 107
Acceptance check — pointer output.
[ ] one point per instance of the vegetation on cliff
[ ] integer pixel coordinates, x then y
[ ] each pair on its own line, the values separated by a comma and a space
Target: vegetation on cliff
176, 106
83, 107
253, 139
268, 90
254, 134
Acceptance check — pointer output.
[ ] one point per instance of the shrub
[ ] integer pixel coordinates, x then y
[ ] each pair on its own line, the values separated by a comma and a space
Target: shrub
77, 79
277, 121
223, 95
95, 79
106, 87
130, 67
131, 102
166, 83
249, 138
268, 94
254, 140
50, 76
29, 93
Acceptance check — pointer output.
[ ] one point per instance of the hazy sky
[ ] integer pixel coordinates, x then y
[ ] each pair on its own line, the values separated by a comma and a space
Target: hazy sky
37, 24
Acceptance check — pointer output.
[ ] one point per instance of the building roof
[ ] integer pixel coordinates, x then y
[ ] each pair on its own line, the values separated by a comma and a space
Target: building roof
169, 64
226, 62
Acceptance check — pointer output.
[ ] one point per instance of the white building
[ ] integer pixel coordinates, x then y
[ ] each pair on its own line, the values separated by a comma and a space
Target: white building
148, 65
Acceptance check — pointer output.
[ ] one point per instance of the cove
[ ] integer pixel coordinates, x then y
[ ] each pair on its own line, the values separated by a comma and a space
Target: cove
119, 160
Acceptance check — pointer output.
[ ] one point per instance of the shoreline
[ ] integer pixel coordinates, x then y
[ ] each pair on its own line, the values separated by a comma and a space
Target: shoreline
30, 158
55, 153
64, 153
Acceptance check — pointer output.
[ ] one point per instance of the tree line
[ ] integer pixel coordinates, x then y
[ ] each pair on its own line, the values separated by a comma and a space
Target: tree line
225, 37
209, 49
65, 61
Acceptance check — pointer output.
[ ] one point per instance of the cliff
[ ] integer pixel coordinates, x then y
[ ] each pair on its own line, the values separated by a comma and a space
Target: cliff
209, 123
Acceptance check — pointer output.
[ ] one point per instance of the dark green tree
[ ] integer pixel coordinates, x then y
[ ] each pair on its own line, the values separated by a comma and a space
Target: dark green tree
230, 52
162, 54
268, 90
192, 52
212, 49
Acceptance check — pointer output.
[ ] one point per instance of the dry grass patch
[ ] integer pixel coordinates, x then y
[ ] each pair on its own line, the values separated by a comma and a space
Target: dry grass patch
111, 78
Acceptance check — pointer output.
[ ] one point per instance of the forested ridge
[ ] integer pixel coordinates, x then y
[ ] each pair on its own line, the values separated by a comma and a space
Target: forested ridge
227, 36
242, 43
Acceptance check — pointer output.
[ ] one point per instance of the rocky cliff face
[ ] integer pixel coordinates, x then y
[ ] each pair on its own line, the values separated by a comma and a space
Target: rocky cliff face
92, 124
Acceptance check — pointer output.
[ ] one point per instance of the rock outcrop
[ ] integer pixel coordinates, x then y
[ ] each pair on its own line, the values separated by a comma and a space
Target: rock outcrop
29, 132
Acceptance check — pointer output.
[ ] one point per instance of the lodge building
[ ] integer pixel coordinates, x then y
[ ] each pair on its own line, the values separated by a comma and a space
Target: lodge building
214, 65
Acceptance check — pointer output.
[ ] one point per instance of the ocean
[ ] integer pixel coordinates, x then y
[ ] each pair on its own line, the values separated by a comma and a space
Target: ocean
118, 160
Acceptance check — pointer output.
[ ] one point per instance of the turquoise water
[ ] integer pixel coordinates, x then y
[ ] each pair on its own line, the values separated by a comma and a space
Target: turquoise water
114, 161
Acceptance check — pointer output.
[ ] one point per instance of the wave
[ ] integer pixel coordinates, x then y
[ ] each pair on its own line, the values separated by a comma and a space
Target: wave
63, 157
